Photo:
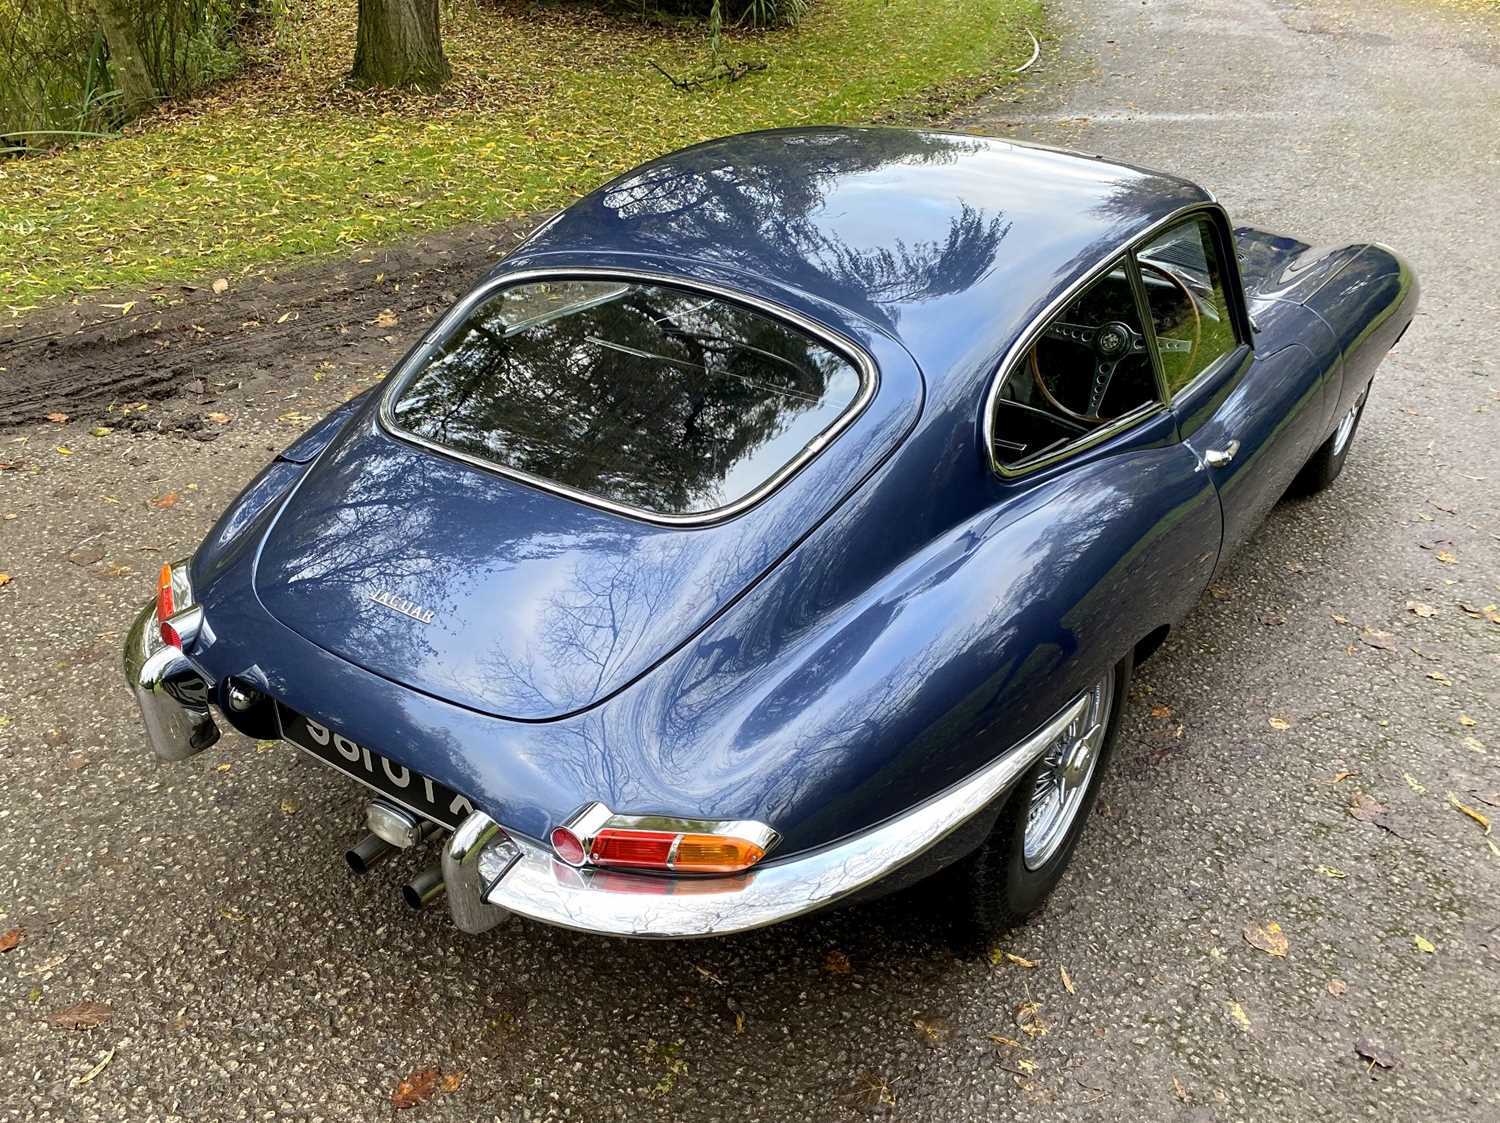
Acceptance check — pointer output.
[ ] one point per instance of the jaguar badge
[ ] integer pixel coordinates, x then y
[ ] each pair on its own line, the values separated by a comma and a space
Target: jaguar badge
402, 605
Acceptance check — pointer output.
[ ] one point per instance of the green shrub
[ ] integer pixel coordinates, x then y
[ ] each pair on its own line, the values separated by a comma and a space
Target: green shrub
55, 83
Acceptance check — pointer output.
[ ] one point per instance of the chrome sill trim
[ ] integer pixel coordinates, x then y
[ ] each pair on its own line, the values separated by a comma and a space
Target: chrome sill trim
537, 886
869, 382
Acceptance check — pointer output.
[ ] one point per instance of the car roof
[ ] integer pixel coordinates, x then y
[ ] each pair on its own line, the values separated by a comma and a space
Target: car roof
952, 243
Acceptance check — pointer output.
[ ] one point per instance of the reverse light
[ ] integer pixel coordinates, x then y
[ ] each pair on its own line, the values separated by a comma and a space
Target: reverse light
595, 836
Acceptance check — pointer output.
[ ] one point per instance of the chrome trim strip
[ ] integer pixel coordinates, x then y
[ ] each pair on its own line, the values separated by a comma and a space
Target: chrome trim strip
609, 903
1017, 350
869, 375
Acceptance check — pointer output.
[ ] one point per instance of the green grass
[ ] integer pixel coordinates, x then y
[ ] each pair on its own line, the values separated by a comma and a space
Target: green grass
546, 103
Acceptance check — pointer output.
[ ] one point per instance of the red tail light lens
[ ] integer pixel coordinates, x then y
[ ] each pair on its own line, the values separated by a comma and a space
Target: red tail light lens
567, 846
643, 850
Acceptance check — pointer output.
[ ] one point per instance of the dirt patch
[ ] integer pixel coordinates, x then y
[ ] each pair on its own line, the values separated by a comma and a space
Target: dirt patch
184, 343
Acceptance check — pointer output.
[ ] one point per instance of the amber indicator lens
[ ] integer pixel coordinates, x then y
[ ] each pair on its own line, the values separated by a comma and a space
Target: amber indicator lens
709, 853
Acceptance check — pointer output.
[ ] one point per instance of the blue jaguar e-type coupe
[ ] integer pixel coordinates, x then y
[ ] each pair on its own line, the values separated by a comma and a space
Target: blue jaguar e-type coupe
778, 525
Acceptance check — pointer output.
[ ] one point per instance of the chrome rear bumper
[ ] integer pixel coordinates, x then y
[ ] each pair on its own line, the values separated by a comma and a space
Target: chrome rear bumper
491, 875
170, 690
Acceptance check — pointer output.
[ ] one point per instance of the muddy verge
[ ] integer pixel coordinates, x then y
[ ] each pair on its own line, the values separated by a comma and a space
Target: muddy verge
183, 342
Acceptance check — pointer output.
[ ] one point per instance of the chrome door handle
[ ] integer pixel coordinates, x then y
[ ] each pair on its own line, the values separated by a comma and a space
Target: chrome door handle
1220, 457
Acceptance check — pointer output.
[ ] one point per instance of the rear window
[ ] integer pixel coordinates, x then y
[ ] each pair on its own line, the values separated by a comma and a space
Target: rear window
670, 401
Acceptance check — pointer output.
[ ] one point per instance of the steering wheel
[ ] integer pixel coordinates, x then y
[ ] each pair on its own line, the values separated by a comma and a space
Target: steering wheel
1112, 342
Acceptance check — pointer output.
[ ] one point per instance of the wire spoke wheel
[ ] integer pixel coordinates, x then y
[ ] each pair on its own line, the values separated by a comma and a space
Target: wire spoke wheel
1064, 776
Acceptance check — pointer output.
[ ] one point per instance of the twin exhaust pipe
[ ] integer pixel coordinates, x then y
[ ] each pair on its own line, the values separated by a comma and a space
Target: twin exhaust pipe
391, 829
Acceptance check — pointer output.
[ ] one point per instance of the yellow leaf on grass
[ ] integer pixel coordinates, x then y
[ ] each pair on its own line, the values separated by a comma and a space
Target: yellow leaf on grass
1424, 944
1478, 817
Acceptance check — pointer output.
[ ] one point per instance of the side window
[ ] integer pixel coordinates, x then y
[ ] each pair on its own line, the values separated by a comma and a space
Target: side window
1185, 292
1089, 367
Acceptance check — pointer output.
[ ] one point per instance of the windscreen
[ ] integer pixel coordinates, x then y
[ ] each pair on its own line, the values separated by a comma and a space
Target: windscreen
666, 400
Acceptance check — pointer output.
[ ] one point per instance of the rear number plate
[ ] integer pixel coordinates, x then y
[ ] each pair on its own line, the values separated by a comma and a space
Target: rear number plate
395, 781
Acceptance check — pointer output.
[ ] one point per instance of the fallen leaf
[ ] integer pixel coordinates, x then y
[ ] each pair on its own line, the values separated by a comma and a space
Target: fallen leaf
1425, 611
1339, 618
1365, 808
1447, 557
290, 807
1019, 961
1279, 723
1413, 783
1474, 744
10, 939
5, 579
934, 1028
218, 418
1374, 637
1340, 777
836, 962
1269, 939
1237, 1012
1466, 721
284, 317
1067, 982
386, 319
1179, 1090
57, 418
451, 1082
1161, 712
87, 1077
1008, 1042
163, 502
64, 450
1423, 944
1482, 820
1337, 987
85, 1015
1029, 1020
221, 285
415, 1089
1376, 1053
1332, 872
1438, 676
100, 431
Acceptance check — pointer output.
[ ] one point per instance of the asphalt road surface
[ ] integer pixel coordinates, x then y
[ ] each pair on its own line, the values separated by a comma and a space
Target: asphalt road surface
246, 975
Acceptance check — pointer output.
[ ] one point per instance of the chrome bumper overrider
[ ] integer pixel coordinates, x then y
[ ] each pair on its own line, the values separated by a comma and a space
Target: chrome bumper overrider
170, 690
491, 874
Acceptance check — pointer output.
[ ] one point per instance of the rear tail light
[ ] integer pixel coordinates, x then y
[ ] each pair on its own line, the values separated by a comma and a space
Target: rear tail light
174, 595
595, 836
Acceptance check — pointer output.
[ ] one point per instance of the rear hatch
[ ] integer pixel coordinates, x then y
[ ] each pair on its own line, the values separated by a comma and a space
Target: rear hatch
529, 562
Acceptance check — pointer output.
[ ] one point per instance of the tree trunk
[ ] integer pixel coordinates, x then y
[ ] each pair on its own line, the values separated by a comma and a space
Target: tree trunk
126, 63
399, 45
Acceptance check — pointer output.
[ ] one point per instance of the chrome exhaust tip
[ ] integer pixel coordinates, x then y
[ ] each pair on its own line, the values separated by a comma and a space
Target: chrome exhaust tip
367, 852
423, 889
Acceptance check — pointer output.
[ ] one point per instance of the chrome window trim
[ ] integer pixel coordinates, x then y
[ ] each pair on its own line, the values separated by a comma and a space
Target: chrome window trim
1017, 351
857, 356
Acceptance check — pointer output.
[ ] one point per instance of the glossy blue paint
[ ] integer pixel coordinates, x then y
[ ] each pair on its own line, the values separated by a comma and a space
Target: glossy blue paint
896, 614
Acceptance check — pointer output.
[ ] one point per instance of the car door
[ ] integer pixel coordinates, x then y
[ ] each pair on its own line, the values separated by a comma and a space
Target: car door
1251, 418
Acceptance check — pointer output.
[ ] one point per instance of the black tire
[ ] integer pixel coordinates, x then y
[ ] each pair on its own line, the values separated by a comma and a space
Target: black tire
1324, 465
992, 889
